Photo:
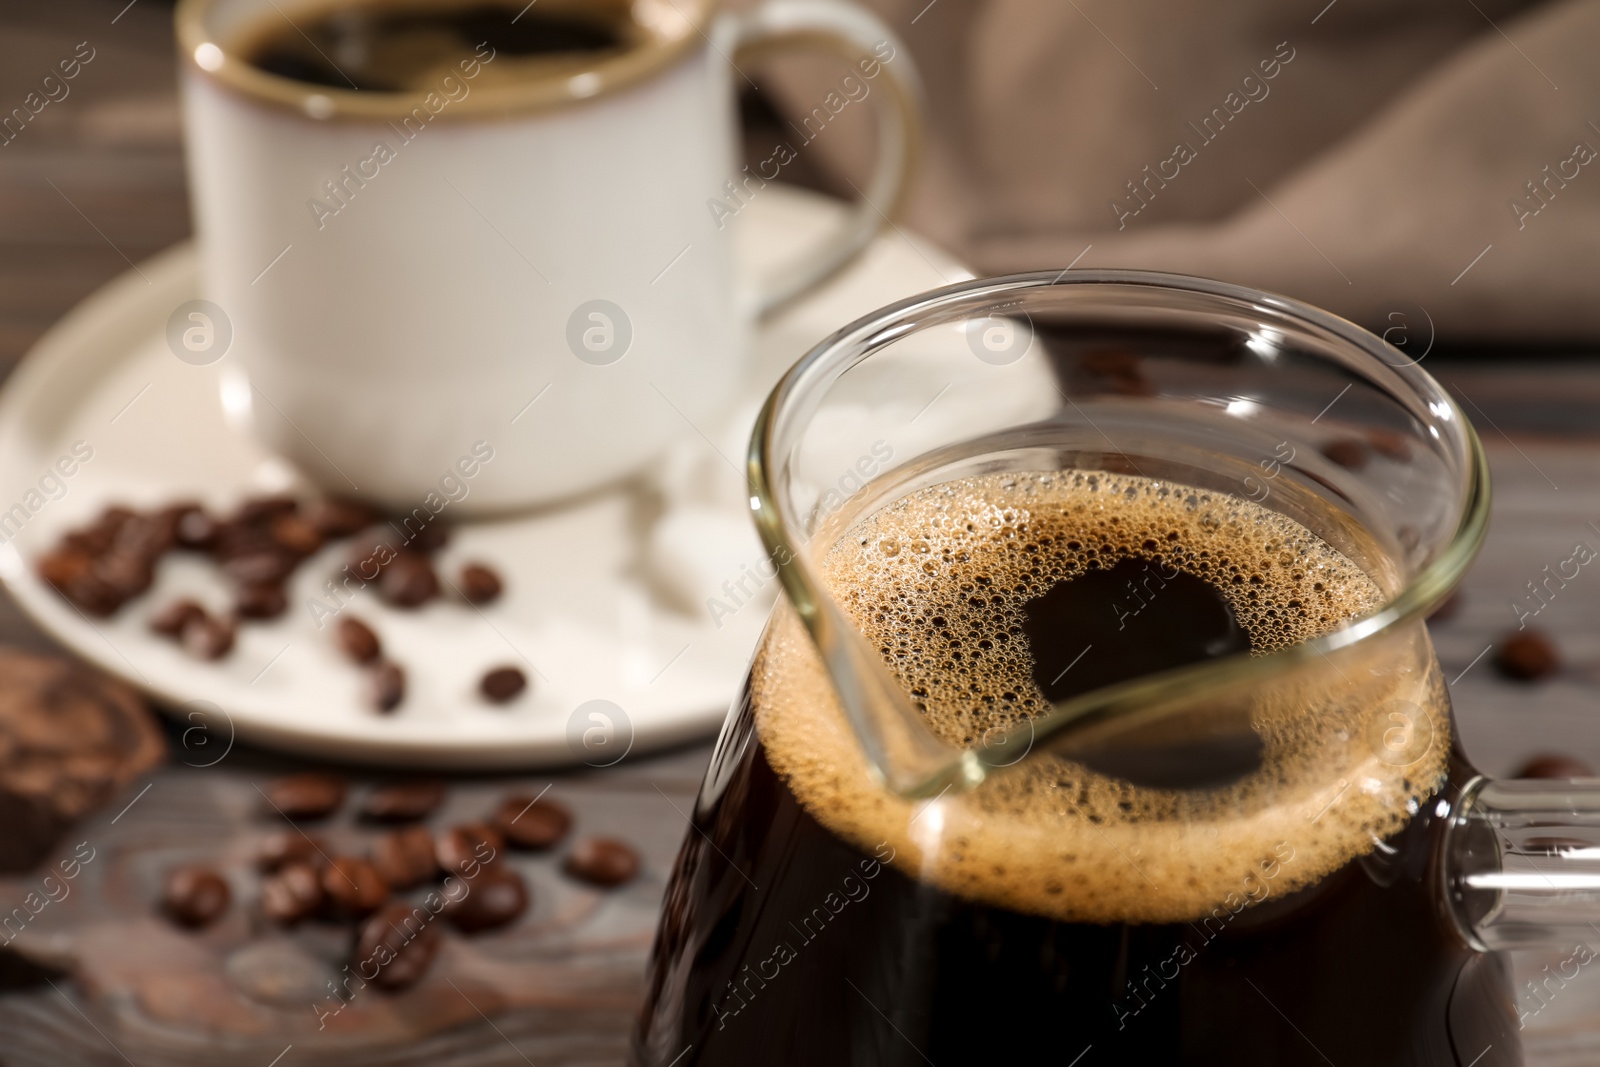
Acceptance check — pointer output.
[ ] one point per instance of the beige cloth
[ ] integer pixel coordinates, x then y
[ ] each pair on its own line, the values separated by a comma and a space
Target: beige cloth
1380, 160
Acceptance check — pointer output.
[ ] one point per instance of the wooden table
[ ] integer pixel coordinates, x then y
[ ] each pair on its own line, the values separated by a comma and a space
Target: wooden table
96, 183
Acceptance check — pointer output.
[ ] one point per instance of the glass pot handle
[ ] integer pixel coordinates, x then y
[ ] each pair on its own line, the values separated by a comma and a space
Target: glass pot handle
1522, 863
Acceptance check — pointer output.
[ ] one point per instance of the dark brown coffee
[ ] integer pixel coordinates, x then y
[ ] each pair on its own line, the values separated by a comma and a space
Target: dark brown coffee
399, 46
1278, 908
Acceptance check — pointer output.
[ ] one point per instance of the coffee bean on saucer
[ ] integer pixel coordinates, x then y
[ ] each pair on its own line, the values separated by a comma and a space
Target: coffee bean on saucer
1348, 452
386, 685
295, 534
405, 857
1527, 656
353, 888
192, 528
306, 796
267, 566
357, 640
497, 896
125, 573
170, 620
399, 943
260, 602
263, 509
405, 801
602, 861
337, 517
292, 893
1554, 765
194, 896
429, 538
97, 537
460, 847
145, 537
502, 684
371, 554
208, 638
479, 584
408, 580
290, 846
530, 823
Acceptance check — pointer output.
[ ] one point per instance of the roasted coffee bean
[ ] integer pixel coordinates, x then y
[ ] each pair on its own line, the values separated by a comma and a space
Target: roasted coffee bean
62, 567
295, 534
260, 601
353, 888
408, 581
194, 896
479, 584
268, 566
386, 685
290, 846
235, 540
602, 861
429, 538
192, 528
145, 537
293, 893
497, 896
337, 517
125, 573
461, 847
305, 796
99, 535
502, 684
208, 638
357, 640
399, 943
1554, 765
371, 554
1348, 452
530, 823
263, 509
405, 857
170, 620
1390, 445
405, 801
1527, 656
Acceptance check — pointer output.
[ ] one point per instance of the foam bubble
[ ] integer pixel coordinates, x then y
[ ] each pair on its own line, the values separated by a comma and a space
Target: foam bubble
937, 582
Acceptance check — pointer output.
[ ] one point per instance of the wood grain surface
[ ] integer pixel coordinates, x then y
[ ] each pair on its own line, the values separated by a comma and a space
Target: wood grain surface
95, 184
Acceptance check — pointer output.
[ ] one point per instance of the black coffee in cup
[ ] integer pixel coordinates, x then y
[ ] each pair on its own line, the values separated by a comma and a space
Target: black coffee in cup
397, 46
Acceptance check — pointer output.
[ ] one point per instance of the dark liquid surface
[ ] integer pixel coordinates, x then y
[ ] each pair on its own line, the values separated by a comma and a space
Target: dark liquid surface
393, 47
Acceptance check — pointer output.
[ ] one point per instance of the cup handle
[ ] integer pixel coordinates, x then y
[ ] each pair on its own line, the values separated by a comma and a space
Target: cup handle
858, 37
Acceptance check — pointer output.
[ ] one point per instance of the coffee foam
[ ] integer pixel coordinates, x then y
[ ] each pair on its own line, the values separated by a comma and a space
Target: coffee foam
937, 581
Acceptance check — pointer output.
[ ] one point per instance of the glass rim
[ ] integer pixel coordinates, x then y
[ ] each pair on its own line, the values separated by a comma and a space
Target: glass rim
831, 357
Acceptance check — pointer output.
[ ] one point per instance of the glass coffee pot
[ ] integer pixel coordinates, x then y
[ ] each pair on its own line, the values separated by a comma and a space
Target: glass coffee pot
1098, 721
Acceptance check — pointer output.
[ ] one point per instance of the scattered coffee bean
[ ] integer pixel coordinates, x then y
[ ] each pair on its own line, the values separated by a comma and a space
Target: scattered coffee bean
460, 847
170, 620
497, 896
125, 573
1389, 445
194, 896
295, 534
371, 554
1527, 656
357, 640
98, 536
336, 517
263, 509
268, 566
405, 857
1554, 765
260, 602
408, 580
207, 638
430, 538
305, 796
399, 943
353, 888
386, 684
293, 893
479, 584
192, 528
290, 846
530, 823
502, 684
144, 537
1347, 452
602, 861
403, 801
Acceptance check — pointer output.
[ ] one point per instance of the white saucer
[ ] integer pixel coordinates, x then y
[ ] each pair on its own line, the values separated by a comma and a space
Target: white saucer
581, 607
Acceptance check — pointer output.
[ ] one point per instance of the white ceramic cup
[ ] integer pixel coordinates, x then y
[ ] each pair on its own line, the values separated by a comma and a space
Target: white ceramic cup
539, 261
